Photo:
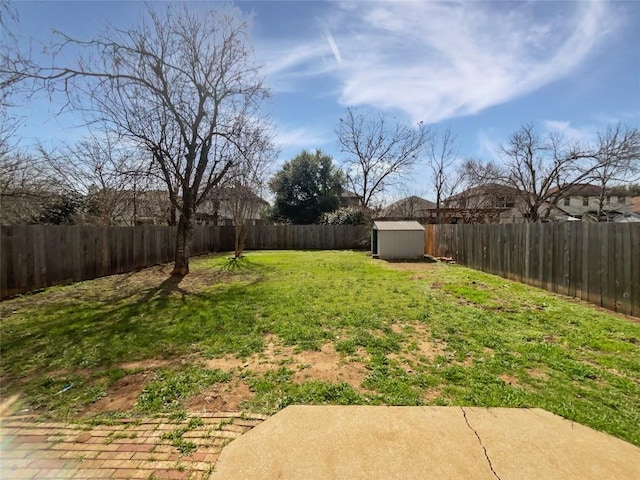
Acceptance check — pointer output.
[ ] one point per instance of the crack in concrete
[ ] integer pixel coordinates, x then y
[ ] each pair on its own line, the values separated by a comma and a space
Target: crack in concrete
486, 455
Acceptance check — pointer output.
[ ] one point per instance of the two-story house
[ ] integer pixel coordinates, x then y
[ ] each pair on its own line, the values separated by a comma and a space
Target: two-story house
589, 202
496, 203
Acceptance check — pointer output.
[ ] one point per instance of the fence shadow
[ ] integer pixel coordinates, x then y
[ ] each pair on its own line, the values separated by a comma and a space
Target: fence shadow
596, 262
39, 256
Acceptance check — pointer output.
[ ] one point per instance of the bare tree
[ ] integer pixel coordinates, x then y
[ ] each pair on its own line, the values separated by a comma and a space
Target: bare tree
442, 153
245, 205
14, 63
378, 151
536, 170
25, 185
25, 188
104, 172
617, 160
247, 180
181, 85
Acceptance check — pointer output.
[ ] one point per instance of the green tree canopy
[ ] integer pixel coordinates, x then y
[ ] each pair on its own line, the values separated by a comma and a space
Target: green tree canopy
306, 187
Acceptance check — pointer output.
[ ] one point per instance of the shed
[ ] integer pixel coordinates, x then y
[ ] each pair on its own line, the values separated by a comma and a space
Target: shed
397, 240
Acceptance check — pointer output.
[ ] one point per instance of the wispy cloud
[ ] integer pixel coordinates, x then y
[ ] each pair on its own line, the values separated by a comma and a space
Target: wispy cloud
488, 146
285, 66
333, 46
301, 137
583, 135
438, 60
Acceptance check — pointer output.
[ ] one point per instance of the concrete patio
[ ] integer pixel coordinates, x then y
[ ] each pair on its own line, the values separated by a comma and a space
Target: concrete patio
362, 442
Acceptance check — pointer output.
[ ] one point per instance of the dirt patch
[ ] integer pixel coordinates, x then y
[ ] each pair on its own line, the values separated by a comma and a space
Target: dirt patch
224, 397
409, 266
467, 362
426, 346
431, 349
149, 364
397, 328
537, 374
431, 394
325, 365
404, 362
122, 395
270, 358
511, 380
273, 348
226, 363
418, 276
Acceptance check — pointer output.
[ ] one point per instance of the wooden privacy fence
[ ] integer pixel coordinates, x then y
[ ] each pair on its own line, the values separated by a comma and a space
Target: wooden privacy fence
37, 256
597, 262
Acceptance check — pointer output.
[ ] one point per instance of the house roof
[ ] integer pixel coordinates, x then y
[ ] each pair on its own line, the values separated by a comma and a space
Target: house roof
409, 206
230, 193
580, 190
344, 193
406, 225
589, 190
627, 218
486, 189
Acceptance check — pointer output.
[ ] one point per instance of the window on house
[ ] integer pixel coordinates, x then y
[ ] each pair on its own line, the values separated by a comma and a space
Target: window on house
585, 201
608, 199
621, 199
504, 202
567, 201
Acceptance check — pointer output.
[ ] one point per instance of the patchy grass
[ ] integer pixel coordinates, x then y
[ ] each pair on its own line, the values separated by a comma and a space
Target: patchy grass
165, 392
275, 390
421, 334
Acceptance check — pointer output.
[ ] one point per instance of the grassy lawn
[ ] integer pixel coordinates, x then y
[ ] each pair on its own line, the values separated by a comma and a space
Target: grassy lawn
280, 328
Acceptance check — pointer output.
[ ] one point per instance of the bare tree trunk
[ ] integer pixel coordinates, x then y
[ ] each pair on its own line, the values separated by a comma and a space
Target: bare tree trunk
135, 205
183, 246
241, 235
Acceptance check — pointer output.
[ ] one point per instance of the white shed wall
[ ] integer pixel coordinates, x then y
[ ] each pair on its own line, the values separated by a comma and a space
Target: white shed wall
402, 244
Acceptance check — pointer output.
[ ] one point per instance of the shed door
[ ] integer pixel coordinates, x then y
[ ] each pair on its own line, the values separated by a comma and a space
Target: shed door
374, 242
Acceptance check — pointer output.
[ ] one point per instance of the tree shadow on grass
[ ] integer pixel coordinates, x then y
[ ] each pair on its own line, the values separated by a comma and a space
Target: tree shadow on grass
241, 264
163, 321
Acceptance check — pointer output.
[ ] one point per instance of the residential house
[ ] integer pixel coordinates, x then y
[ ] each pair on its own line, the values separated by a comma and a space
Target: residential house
412, 207
224, 205
489, 203
131, 207
493, 203
583, 201
348, 199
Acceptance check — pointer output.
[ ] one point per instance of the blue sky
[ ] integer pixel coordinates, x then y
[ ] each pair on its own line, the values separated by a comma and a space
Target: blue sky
482, 68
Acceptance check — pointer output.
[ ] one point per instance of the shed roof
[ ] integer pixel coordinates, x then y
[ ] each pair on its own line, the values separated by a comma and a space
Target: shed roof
400, 225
